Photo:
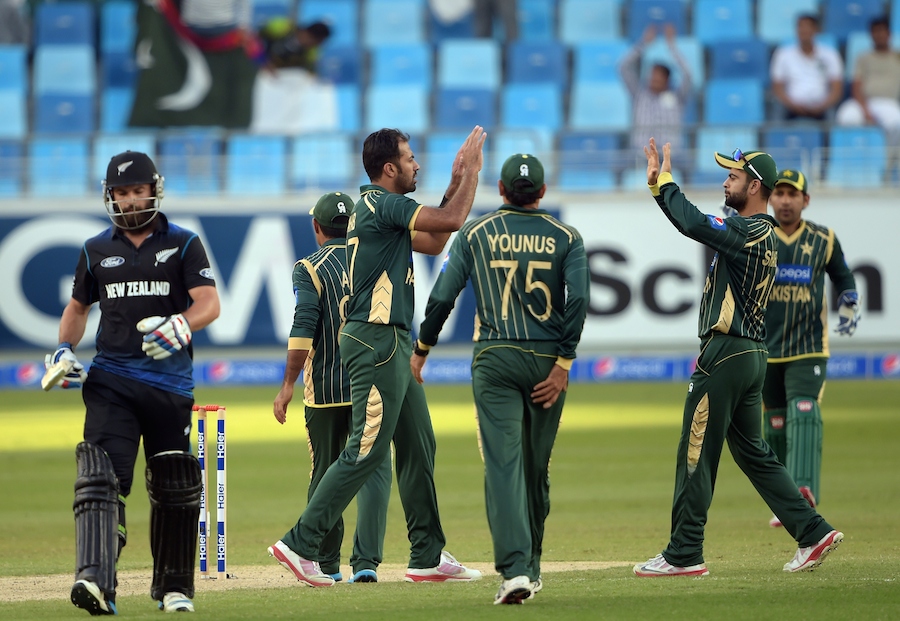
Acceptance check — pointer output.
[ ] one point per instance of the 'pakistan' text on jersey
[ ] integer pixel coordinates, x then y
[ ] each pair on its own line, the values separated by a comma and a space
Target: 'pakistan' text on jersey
132, 283
743, 269
379, 256
797, 314
321, 291
530, 276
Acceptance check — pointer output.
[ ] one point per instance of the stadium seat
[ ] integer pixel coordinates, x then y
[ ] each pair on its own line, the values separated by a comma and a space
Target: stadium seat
845, 16
537, 20
64, 23
118, 26
11, 153
689, 47
712, 140
465, 108
58, 167
462, 28
67, 69
265, 11
537, 62
857, 157
535, 106
63, 113
14, 68
600, 106
734, 102
189, 161
506, 142
403, 106
327, 162
340, 64
437, 160
115, 109
393, 22
635, 178
657, 13
858, 43
118, 70
342, 16
349, 110
588, 161
582, 21
748, 58
108, 145
722, 20
401, 64
599, 61
256, 165
794, 146
776, 20
13, 121
471, 63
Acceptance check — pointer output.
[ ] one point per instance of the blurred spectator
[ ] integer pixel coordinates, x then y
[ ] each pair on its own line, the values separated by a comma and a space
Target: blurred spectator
876, 85
657, 108
13, 27
487, 10
807, 77
211, 18
287, 45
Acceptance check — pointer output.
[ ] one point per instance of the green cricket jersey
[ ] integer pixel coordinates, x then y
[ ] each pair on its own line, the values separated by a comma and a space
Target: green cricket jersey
797, 315
742, 272
379, 249
321, 291
530, 275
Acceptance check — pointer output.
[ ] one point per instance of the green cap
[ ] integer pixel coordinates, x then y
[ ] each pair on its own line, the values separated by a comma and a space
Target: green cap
794, 178
332, 206
522, 166
757, 164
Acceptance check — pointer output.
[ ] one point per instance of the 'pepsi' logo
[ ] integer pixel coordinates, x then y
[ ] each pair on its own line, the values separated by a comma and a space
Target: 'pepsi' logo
890, 365
604, 367
28, 373
800, 274
219, 371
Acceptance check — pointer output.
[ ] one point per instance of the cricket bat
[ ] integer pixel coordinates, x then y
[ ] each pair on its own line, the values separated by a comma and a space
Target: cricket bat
55, 373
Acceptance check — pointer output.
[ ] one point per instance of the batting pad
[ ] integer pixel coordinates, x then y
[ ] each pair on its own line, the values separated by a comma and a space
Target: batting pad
96, 509
775, 431
804, 443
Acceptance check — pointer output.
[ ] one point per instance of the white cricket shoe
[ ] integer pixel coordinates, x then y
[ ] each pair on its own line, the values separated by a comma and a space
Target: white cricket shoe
448, 570
659, 566
306, 571
173, 601
88, 596
514, 591
807, 559
536, 587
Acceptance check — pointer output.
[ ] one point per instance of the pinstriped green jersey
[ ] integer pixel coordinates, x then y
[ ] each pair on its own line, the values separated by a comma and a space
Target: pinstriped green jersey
530, 276
742, 272
379, 252
321, 290
797, 315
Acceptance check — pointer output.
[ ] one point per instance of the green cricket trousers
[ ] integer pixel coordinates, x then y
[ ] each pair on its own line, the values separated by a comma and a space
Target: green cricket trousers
516, 438
387, 404
724, 403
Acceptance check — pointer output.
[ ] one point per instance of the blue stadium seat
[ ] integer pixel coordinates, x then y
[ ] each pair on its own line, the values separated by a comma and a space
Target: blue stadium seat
437, 161
711, 140
118, 26
14, 68
62, 160
10, 167
857, 157
794, 146
748, 58
692, 51
465, 108
734, 102
599, 61
469, 63
588, 161
324, 161
463, 28
535, 106
506, 142
546, 61
13, 120
265, 11
108, 145
118, 70
115, 109
403, 106
722, 20
600, 106
392, 22
340, 64
189, 160
401, 64
657, 13
858, 43
537, 20
64, 69
776, 20
64, 23
342, 16
845, 16
349, 107
256, 165
63, 113
581, 21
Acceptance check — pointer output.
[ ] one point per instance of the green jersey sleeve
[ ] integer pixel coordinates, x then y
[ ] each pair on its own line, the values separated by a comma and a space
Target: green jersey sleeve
306, 303
450, 282
838, 270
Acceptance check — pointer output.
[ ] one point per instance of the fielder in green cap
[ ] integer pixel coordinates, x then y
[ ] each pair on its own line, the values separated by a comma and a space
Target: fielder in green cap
529, 272
321, 290
725, 391
797, 333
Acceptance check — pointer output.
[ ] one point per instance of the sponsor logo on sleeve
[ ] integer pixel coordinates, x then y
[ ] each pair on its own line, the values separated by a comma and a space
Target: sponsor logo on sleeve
112, 262
717, 222
207, 272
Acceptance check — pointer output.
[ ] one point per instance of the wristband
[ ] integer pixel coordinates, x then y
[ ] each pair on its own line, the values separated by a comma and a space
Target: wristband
420, 349
65, 344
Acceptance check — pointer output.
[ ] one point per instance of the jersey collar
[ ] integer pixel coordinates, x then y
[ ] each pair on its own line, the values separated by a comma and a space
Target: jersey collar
517, 209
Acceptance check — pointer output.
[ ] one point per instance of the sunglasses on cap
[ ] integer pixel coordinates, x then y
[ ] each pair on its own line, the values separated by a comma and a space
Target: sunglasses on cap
738, 156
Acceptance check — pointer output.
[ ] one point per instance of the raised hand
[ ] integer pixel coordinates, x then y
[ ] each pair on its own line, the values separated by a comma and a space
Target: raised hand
471, 154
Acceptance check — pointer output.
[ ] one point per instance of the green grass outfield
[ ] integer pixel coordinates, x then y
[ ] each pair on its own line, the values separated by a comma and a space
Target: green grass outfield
612, 475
